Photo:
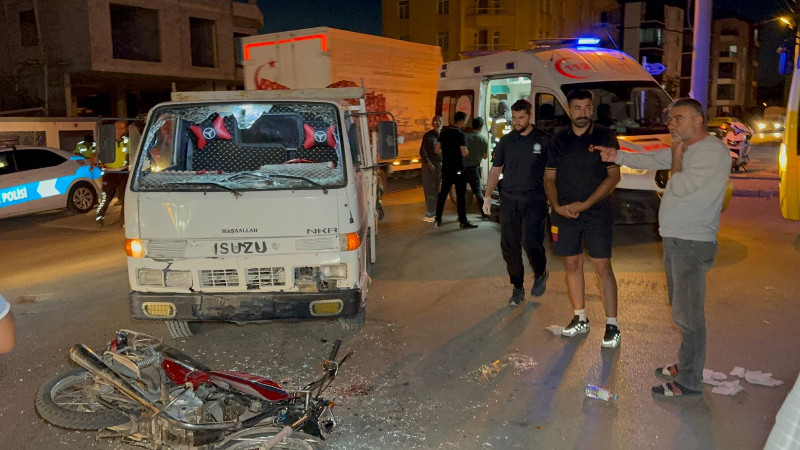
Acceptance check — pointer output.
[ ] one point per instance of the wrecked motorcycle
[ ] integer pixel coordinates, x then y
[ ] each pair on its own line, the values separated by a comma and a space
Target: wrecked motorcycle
156, 397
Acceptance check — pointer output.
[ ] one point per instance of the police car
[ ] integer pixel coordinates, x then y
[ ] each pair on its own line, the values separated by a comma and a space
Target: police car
34, 179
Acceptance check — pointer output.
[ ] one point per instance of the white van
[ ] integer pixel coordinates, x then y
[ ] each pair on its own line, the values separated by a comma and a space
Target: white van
254, 205
626, 98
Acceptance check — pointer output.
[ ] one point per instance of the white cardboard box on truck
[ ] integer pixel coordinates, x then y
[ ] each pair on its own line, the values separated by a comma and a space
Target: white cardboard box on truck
404, 73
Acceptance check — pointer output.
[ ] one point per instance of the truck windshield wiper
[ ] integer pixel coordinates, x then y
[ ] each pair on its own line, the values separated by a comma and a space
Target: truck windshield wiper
285, 177
207, 183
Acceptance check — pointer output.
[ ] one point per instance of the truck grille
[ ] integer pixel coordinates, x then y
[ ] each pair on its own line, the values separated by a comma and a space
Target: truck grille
265, 277
165, 248
219, 277
316, 244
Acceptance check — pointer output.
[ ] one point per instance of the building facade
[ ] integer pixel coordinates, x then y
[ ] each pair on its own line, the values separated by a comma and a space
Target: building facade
464, 28
652, 31
118, 57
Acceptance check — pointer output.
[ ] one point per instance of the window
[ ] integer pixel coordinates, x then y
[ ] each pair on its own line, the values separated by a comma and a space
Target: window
653, 11
726, 92
651, 37
28, 31
495, 39
729, 32
686, 87
730, 52
237, 47
404, 38
727, 70
483, 37
402, 9
203, 42
354, 138
444, 6
6, 163
686, 65
36, 159
755, 36
549, 115
449, 102
443, 40
688, 41
135, 33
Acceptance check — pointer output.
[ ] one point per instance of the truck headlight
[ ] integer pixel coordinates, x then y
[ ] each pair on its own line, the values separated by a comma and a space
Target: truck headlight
334, 271
150, 277
179, 278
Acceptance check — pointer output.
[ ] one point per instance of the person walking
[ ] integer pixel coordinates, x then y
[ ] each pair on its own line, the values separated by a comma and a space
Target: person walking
578, 183
478, 148
115, 176
520, 157
431, 167
452, 146
688, 219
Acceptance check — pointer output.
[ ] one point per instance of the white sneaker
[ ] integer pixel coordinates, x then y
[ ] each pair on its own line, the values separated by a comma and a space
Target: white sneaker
428, 219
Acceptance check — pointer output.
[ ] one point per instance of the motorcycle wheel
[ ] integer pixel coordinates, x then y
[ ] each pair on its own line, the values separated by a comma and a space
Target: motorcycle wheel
62, 401
298, 441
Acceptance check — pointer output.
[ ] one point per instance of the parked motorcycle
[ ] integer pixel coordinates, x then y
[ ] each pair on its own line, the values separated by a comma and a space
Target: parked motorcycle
156, 397
737, 138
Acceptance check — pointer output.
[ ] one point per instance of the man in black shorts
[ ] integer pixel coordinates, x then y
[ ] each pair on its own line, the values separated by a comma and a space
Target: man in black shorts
578, 183
521, 156
452, 146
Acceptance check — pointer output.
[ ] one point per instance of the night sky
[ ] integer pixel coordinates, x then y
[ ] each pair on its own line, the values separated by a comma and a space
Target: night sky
364, 16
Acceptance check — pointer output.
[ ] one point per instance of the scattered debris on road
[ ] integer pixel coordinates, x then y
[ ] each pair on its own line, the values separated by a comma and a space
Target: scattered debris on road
555, 329
514, 360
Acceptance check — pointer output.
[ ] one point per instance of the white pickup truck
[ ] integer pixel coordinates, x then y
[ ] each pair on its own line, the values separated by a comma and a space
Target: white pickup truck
254, 205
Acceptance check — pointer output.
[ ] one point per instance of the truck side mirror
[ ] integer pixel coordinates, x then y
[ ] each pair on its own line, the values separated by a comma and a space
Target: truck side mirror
387, 139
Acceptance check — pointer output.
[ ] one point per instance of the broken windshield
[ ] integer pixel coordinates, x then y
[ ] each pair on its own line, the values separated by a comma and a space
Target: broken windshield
242, 146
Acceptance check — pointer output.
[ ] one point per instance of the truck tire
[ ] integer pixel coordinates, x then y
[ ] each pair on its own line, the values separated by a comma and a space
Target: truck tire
355, 322
76, 417
182, 328
81, 198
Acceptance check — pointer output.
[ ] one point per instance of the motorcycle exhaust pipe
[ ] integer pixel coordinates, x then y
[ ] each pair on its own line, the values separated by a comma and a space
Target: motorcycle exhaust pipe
86, 358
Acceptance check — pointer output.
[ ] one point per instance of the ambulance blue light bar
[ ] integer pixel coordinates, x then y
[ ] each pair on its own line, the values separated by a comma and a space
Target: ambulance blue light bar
588, 41
569, 42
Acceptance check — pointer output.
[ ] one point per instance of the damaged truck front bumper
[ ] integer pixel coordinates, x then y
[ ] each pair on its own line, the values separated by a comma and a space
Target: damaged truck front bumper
245, 307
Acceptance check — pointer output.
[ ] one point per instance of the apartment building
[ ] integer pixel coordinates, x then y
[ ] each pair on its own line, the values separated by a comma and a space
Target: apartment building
465, 28
652, 31
118, 57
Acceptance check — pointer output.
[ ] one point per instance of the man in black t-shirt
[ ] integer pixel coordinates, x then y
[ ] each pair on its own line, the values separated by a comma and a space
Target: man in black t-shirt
578, 183
521, 156
452, 146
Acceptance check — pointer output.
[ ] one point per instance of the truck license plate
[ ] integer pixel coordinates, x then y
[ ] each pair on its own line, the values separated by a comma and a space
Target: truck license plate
240, 248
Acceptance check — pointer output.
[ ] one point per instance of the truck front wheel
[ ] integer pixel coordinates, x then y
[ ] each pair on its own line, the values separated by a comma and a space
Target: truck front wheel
355, 322
182, 328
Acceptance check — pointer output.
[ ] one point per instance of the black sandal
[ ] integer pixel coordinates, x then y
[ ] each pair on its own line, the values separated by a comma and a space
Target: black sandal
673, 389
666, 373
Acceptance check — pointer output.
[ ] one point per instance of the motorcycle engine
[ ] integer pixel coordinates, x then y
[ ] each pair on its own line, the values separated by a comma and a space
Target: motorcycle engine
186, 405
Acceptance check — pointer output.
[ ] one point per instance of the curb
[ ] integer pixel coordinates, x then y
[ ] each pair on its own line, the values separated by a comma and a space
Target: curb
760, 193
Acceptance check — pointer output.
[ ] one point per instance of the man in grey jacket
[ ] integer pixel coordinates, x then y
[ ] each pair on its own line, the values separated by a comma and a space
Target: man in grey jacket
699, 167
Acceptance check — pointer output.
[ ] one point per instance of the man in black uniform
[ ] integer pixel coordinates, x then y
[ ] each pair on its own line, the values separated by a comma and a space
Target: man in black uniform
578, 184
521, 156
452, 146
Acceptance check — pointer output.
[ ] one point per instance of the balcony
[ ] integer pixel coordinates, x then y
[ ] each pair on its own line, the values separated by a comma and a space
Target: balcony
247, 14
488, 17
488, 48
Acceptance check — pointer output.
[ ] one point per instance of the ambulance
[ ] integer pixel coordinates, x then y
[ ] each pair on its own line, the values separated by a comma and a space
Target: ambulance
626, 98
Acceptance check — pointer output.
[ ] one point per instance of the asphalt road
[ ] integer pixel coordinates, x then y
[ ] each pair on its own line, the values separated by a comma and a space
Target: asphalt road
437, 314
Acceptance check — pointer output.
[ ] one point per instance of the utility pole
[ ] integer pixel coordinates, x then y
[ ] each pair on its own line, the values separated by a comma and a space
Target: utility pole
701, 56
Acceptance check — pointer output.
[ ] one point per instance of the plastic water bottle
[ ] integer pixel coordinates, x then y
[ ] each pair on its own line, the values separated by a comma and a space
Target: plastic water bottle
600, 393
